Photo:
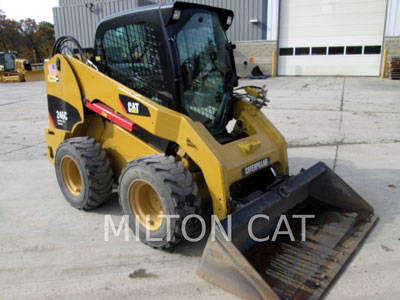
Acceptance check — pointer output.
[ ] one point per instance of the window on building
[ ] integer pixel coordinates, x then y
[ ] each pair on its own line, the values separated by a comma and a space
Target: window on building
318, 51
285, 51
372, 49
353, 50
132, 56
336, 51
302, 51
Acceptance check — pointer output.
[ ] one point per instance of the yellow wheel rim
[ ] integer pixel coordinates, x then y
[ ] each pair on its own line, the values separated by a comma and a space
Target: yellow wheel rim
71, 176
144, 202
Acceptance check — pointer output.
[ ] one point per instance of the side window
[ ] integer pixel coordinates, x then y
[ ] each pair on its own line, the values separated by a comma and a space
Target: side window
9, 59
133, 58
116, 46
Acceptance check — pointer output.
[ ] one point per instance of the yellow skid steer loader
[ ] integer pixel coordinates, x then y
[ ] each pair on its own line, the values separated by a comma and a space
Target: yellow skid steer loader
149, 112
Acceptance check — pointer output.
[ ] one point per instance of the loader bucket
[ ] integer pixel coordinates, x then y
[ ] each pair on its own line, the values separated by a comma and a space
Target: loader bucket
34, 75
283, 268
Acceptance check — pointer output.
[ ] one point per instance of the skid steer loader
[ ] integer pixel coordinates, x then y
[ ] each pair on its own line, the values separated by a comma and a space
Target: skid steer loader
149, 112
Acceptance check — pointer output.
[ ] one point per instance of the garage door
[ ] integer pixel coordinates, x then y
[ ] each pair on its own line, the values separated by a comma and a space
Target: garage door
331, 37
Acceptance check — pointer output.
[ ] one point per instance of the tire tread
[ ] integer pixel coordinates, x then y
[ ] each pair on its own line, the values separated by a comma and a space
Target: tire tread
97, 168
183, 190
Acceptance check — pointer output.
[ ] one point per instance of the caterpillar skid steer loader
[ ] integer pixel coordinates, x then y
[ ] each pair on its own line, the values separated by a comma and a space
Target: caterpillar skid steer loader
149, 112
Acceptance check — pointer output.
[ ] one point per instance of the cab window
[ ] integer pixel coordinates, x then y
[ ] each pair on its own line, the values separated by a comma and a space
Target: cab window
132, 58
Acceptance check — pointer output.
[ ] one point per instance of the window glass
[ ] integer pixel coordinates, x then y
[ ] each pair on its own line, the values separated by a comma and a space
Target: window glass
318, 51
202, 43
336, 50
302, 51
9, 61
351, 50
132, 56
372, 49
285, 51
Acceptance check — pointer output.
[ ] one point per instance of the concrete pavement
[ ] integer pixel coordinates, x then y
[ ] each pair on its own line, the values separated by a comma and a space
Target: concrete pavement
51, 250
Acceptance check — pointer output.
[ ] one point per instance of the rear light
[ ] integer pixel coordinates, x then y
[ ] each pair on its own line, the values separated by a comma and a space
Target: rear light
229, 20
176, 15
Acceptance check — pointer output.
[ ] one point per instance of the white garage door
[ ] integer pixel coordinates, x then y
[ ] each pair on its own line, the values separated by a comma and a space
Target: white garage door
331, 37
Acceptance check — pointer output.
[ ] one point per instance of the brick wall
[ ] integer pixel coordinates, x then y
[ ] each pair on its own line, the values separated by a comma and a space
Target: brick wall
260, 50
393, 46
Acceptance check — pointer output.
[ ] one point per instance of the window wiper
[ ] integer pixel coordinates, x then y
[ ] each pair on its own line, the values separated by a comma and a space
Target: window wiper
227, 75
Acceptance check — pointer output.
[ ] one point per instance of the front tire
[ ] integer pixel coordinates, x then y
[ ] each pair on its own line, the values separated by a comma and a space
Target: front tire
158, 185
83, 172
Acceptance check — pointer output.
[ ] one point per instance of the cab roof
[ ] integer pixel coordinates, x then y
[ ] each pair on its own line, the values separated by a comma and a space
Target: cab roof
163, 12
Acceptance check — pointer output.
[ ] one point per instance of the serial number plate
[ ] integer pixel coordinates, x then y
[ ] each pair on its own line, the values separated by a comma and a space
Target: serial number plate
255, 166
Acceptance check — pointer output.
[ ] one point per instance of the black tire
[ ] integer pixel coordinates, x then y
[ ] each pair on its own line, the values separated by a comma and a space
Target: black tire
176, 190
96, 177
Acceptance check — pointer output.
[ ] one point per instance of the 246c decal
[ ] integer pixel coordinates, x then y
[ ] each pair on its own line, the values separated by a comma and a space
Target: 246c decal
62, 114
62, 117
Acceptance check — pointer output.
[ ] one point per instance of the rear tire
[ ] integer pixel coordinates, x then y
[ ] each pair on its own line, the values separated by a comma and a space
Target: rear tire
83, 172
158, 185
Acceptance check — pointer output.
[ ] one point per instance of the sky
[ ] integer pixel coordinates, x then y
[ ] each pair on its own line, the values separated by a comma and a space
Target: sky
40, 10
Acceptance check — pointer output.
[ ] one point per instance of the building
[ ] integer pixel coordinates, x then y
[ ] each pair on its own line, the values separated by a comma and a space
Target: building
298, 37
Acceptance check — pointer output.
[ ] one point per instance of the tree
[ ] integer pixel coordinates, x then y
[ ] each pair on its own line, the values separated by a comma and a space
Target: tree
31, 40
45, 38
29, 28
9, 36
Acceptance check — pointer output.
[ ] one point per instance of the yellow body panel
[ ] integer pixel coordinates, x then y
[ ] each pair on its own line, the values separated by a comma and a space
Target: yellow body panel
121, 146
221, 165
53, 138
66, 86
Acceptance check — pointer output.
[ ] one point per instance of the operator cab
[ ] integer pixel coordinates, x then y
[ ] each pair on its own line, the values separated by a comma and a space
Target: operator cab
7, 60
175, 54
